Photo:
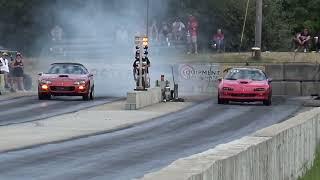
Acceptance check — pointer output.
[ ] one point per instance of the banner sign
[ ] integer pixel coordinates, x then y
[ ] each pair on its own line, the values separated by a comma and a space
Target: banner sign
197, 78
199, 72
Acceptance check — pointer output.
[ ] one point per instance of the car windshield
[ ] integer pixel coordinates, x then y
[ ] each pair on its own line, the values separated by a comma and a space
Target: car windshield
255, 75
67, 69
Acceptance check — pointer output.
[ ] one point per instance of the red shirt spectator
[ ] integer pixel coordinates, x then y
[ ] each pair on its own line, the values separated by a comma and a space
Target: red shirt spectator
193, 31
218, 36
193, 26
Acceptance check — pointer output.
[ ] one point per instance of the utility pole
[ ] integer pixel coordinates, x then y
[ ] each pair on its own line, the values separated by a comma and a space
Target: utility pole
258, 28
147, 18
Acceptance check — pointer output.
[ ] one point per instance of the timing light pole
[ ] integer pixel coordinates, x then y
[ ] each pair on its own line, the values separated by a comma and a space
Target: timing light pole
147, 18
258, 31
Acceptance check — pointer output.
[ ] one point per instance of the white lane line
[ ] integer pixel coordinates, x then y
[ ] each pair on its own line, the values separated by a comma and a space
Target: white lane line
69, 109
28, 107
15, 100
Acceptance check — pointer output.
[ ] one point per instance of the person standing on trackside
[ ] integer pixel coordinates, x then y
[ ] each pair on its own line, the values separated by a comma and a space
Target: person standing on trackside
4, 68
11, 78
218, 38
193, 30
177, 29
317, 41
18, 67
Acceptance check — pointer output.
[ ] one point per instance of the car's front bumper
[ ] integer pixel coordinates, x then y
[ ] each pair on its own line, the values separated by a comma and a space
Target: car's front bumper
244, 96
64, 90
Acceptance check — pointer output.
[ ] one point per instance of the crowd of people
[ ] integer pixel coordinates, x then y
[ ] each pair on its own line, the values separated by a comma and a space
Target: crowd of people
170, 33
176, 32
179, 32
304, 40
13, 71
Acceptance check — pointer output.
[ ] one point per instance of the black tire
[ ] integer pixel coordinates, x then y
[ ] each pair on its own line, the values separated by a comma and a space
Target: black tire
267, 102
92, 93
220, 101
85, 97
40, 97
44, 97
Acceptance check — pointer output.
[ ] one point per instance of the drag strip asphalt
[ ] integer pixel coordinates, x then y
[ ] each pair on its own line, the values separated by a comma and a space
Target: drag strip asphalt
133, 152
29, 108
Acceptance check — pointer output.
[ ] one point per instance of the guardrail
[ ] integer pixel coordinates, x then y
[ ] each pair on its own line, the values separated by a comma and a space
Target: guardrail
281, 152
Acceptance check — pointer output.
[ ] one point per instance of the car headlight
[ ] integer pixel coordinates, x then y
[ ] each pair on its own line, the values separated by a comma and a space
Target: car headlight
44, 81
260, 89
80, 82
227, 89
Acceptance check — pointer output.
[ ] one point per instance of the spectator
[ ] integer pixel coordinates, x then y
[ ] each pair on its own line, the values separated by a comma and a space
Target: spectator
302, 40
18, 67
4, 68
56, 33
193, 30
11, 79
317, 41
154, 31
177, 29
165, 32
218, 39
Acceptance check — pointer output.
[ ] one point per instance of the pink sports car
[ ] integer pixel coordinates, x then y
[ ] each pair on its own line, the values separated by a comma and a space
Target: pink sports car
245, 85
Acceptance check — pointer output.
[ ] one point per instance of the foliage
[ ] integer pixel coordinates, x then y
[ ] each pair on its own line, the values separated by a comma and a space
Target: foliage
25, 22
280, 19
314, 172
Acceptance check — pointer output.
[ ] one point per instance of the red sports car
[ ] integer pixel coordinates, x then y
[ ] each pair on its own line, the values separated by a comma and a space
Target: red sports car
66, 79
245, 85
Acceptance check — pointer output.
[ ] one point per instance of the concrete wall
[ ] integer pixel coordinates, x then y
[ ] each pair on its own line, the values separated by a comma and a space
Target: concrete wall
140, 99
281, 152
294, 79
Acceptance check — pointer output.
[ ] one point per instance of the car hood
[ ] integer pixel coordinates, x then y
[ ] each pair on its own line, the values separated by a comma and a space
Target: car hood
57, 77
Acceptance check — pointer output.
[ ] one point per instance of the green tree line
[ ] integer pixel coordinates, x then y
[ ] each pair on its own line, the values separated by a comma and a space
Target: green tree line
281, 19
26, 22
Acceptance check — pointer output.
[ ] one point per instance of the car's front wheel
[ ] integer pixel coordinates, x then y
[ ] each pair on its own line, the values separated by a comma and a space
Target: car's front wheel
85, 97
221, 101
92, 93
44, 96
268, 102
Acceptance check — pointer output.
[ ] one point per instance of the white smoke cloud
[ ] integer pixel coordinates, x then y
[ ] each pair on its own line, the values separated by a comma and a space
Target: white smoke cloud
93, 21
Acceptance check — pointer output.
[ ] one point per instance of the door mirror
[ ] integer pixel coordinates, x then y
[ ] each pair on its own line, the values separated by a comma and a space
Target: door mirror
40, 73
90, 75
270, 80
220, 79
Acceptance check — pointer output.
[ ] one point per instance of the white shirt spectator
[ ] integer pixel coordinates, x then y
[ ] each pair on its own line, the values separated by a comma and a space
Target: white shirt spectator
4, 65
56, 33
178, 26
